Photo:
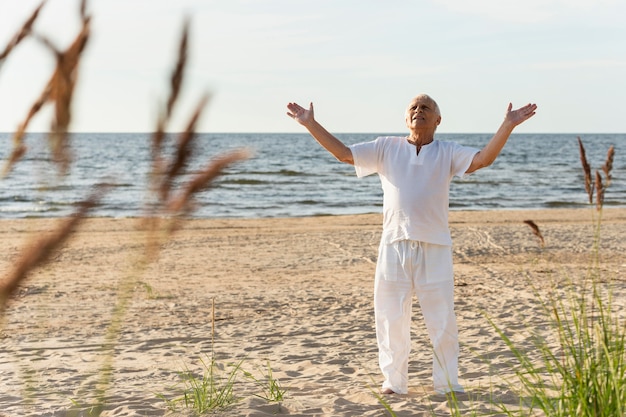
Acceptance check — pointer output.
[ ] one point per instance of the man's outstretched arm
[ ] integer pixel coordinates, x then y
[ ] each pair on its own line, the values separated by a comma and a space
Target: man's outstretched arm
490, 152
306, 118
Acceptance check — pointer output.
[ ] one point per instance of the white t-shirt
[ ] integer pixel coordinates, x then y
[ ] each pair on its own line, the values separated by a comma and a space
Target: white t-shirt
416, 188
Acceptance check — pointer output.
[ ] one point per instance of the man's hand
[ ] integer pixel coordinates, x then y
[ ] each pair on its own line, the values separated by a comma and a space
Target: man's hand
516, 117
300, 114
489, 153
327, 140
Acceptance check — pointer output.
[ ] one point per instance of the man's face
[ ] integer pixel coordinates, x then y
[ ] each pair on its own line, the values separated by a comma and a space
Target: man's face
421, 114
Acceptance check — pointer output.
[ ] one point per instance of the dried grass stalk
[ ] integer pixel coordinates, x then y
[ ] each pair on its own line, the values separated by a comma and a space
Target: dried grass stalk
586, 170
83, 10
19, 149
158, 164
58, 91
608, 165
599, 191
182, 204
24, 31
62, 85
183, 151
167, 171
536, 231
177, 75
40, 251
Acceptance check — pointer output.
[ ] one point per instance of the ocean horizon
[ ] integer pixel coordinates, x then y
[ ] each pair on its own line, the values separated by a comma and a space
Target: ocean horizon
290, 175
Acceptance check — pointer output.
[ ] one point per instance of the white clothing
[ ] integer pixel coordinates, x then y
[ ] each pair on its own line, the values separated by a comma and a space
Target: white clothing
415, 254
404, 269
416, 187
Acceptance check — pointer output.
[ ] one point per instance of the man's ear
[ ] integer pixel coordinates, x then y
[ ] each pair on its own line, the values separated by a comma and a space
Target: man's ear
438, 120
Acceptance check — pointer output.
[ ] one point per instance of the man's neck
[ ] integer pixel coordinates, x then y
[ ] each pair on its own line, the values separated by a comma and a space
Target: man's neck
420, 139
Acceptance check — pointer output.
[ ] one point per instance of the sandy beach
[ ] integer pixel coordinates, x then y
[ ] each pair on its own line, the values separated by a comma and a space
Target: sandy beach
296, 293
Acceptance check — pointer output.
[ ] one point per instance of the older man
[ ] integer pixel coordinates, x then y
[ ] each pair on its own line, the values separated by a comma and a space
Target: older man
415, 252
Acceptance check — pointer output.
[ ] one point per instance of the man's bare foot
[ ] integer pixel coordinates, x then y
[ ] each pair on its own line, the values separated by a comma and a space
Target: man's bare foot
388, 391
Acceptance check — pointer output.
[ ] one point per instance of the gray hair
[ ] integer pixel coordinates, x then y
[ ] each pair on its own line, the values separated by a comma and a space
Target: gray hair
437, 110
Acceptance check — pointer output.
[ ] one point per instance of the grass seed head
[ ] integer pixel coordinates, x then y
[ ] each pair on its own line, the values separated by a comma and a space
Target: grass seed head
608, 164
535, 229
58, 92
21, 34
586, 170
182, 203
177, 76
599, 191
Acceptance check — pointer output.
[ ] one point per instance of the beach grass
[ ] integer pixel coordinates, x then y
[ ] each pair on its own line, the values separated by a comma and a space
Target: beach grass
271, 389
216, 388
584, 372
212, 391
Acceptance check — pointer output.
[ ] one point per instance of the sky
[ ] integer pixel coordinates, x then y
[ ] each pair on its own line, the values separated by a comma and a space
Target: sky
359, 62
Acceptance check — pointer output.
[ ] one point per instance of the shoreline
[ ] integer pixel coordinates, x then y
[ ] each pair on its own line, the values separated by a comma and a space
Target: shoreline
568, 215
296, 292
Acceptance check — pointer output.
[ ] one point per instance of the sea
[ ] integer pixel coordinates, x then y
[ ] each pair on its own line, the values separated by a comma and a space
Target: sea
290, 175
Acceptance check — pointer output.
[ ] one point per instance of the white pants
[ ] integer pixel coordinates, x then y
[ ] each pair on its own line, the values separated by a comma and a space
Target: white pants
404, 269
